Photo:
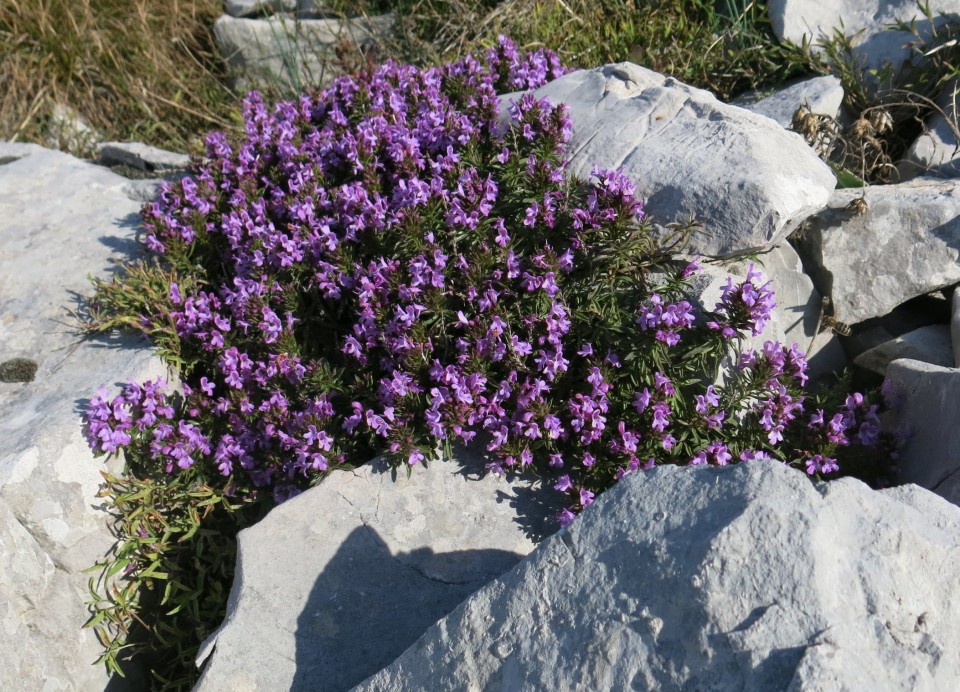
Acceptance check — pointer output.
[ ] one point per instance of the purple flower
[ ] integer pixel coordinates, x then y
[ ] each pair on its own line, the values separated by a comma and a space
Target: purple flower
661, 416
586, 497
692, 268
750, 455
820, 464
388, 263
718, 454
642, 400
707, 400
663, 384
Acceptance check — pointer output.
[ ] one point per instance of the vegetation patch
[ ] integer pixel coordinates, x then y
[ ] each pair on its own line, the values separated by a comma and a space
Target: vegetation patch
132, 69
391, 267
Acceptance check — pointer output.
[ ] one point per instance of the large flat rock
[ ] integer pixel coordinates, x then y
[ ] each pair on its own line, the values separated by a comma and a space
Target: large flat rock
337, 582
906, 244
691, 155
748, 577
61, 219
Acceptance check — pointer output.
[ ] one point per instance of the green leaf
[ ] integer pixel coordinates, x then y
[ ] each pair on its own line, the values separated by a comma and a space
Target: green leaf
847, 179
118, 565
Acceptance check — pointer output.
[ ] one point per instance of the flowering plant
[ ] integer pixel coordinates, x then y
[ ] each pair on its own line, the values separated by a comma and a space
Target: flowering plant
389, 266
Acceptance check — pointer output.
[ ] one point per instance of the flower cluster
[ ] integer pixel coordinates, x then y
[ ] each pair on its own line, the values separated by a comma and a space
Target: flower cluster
386, 266
746, 305
667, 320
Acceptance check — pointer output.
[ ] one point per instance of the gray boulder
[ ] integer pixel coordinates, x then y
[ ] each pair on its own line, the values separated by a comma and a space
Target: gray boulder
731, 578
792, 20
930, 344
346, 576
61, 219
876, 46
906, 244
926, 407
291, 53
743, 176
822, 95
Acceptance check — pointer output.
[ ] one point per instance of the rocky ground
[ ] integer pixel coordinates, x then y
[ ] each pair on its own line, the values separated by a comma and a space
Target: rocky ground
724, 578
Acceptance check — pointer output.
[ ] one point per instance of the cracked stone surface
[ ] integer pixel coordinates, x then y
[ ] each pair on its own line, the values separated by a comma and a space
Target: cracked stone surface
61, 219
142, 157
747, 577
335, 583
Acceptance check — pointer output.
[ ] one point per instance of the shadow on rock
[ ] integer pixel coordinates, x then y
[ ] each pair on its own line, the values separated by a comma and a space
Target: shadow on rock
351, 627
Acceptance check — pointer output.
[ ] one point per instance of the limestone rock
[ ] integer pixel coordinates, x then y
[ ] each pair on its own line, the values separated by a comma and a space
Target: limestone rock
926, 406
344, 577
60, 219
792, 20
868, 24
938, 145
288, 52
142, 157
929, 344
731, 578
906, 244
823, 95
691, 155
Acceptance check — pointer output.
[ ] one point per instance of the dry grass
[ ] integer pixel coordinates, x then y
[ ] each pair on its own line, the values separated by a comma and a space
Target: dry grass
133, 69
727, 50
149, 70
